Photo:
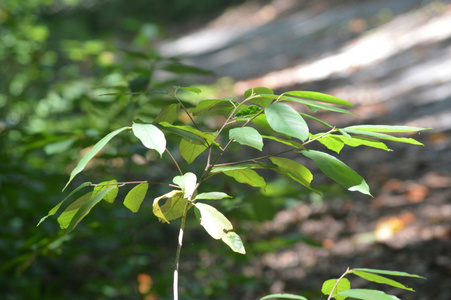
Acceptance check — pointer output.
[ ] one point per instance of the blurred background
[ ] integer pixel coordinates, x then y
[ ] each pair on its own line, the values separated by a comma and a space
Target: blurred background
391, 59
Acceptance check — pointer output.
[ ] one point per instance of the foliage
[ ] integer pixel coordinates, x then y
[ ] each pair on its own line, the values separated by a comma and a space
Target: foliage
340, 288
246, 120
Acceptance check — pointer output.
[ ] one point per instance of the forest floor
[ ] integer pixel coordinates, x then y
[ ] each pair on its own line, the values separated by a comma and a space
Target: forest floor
392, 60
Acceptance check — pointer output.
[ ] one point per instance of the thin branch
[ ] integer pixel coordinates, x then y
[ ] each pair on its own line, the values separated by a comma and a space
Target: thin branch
320, 136
254, 159
175, 162
184, 108
179, 246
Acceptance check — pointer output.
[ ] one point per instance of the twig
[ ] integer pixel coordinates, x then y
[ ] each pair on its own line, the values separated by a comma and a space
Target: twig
175, 162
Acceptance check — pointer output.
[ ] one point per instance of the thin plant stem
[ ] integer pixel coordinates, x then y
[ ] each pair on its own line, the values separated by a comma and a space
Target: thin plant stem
336, 283
175, 162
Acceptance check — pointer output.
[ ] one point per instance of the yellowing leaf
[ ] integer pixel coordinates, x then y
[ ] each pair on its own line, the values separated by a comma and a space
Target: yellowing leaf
173, 207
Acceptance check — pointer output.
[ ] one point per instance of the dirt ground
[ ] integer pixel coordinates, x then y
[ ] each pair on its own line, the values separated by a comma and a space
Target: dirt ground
392, 60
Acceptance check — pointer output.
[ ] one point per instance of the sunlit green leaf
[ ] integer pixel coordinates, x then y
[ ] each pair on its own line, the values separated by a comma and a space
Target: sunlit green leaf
67, 215
385, 128
314, 106
172, 209
247, 176
187, 183
190, 149
380, 279
75, 212
136, 196
260, 95
106, 184
382, 136
319, 97
234, 167
219, 227
336, 142
234, 241
364, 294
56, 207
247, 136
284, 119
387, 272
257, 90
212, 196
92, 152
294, 170
338, 171
332, 287
150, 136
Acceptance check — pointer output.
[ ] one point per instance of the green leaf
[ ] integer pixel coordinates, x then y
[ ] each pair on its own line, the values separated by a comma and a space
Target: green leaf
235, 167
385, 128
168, 114
213, 107
192, 89
247, 176
219, 227
190, 149
283, 141
247, 111
257, 98
212, 196
68, 214
106, 184
247, 136
364, 294
316, 119
76, 212
262, 121
360, 141
382, 136
187, 183
283, 296
319, 97
293, 170
314, 106
387, 272
380, 279
329, 285
338, 171
92, 152
172, 209
234, 241
150, 136
257, 91
56, 207
284, 119
136, 196
204, 136
331, 142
